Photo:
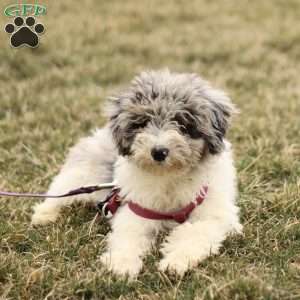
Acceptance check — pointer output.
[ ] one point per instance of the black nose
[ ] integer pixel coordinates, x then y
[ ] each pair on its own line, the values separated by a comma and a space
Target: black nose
159, 153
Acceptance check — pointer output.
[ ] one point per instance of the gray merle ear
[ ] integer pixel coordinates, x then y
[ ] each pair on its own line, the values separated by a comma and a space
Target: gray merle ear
119, 111
122, 140
221, 110
122, 134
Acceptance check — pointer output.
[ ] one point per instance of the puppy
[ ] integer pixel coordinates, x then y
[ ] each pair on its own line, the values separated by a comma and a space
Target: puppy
163, 145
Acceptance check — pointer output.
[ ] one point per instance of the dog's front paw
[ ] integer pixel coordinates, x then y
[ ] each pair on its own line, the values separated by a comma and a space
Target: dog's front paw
172, 265
177, 262
182, 251
181, 260
122, 264
43, 214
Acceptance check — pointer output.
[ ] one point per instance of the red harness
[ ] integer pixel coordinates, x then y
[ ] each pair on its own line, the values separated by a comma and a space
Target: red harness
112, 203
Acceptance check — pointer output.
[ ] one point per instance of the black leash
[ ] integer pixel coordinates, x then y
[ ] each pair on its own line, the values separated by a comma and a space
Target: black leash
79, 191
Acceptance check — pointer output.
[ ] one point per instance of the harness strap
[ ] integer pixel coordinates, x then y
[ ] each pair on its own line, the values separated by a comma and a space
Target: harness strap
179, 216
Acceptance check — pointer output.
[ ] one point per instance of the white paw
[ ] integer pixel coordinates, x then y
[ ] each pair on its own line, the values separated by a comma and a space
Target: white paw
122, 263
169, 265
185, 248
180, 257
176, 263
44, 214
181, 260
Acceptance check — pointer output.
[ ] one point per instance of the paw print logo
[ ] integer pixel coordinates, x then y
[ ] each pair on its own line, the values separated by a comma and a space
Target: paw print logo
24, 33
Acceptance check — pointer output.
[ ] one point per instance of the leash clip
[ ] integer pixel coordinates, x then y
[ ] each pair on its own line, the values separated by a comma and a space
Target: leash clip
110, 204
106, 213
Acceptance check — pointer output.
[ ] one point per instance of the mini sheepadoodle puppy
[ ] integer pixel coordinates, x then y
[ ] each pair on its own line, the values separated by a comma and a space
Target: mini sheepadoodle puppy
164, 148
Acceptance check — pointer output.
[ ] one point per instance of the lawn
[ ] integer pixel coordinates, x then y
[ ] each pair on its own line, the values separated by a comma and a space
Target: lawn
53, 95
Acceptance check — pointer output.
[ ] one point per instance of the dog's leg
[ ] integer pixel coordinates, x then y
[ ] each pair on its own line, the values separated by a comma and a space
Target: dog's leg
190, 243
130, 239
90, 162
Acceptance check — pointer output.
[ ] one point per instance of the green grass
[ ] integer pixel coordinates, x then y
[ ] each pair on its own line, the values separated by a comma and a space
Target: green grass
51, 96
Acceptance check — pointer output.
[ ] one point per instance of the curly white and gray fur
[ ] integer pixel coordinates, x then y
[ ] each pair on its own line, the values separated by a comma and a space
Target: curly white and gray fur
164, 140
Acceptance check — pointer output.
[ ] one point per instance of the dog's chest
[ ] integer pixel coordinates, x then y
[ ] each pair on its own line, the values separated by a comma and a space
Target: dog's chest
162, 193
158, 194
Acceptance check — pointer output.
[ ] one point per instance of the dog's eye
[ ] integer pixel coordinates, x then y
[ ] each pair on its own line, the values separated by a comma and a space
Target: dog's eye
138, 125
187, 128
192, 131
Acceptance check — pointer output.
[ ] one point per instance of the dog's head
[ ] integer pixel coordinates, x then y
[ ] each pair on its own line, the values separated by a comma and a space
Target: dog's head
168, 121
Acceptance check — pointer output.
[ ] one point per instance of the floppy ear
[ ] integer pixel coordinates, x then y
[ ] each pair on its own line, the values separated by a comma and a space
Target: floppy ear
220, 112
121, 136
117, 121
123, 120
